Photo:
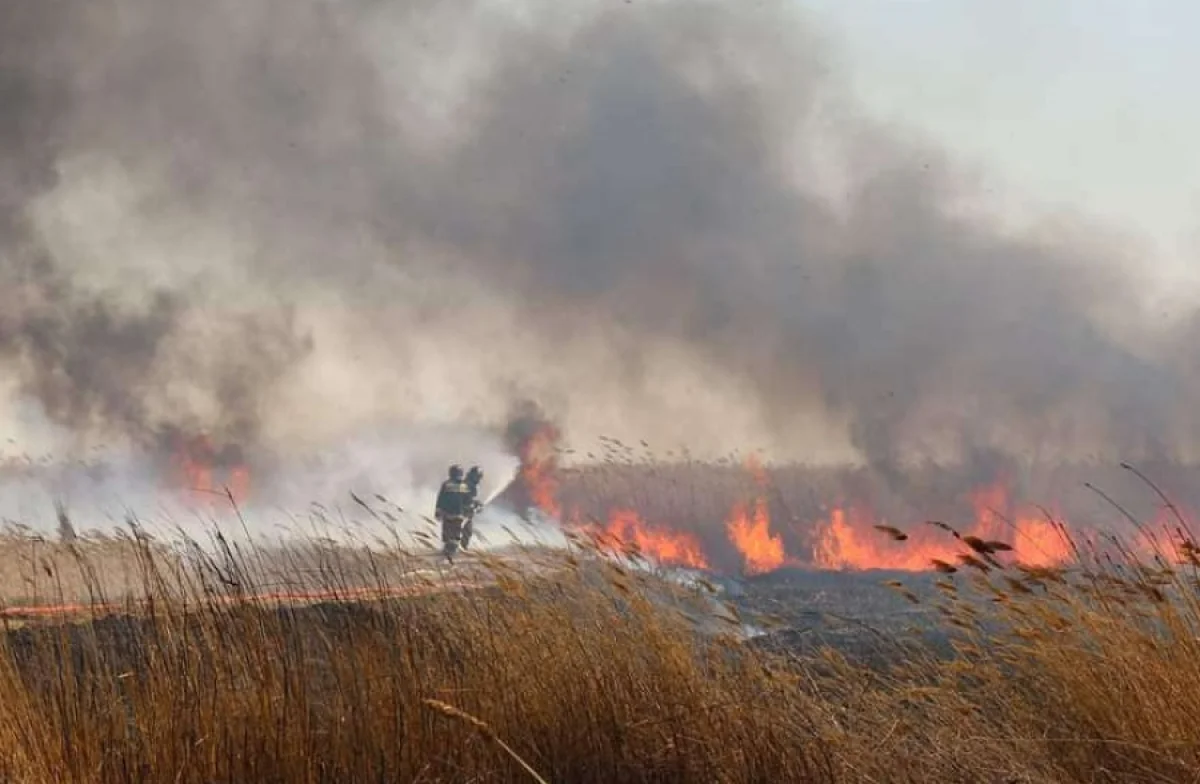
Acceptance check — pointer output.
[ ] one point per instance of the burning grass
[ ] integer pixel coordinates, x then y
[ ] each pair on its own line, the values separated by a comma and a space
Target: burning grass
577, 668
737, 517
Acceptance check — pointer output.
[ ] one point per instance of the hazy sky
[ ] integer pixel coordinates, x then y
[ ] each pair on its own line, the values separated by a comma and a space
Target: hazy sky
1086, 105
240, 218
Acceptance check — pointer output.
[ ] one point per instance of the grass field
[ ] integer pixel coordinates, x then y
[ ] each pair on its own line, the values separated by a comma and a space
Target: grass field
586, 671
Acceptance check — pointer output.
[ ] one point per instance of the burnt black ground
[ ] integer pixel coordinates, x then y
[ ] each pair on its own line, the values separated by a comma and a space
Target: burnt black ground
857, 613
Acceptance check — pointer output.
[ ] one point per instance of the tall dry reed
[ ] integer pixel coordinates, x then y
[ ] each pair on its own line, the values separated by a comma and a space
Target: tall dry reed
566, 667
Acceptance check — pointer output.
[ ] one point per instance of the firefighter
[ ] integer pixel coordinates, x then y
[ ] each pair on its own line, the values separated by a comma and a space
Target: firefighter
454, 505
474, 477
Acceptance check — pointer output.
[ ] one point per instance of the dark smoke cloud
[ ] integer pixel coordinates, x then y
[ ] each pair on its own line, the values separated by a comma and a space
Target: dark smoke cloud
90, 356
78, 358
660, 217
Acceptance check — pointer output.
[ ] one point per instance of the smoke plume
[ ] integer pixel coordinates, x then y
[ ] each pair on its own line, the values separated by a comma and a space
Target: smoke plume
284, 222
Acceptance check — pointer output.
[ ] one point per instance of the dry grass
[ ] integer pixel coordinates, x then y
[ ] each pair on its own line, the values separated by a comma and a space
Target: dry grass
573, 675
588, 672
35, 569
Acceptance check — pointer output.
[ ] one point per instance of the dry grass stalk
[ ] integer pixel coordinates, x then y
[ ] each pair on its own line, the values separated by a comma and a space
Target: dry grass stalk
486, 731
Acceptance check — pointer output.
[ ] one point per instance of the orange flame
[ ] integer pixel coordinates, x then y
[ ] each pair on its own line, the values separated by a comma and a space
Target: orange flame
198, 475
750, 532
670, 548
538, 471
1168, 535
847, 539
749, 528
1040, 543
1035, 540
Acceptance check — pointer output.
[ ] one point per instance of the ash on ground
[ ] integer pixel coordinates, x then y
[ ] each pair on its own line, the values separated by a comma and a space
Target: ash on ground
855, 613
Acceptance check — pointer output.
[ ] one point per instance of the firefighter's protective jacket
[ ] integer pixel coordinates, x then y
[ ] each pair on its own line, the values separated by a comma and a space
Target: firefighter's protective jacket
454, 499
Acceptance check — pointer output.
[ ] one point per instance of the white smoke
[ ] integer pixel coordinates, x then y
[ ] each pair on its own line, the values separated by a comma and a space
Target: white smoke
394, 471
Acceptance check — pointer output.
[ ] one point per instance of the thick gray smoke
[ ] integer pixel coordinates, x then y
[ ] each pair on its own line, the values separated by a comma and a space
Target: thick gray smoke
281, 221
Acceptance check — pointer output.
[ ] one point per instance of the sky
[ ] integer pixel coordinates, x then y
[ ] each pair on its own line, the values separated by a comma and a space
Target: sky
1081, 106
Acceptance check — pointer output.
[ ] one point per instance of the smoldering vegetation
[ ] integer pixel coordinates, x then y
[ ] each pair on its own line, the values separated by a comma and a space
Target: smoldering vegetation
280, 221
